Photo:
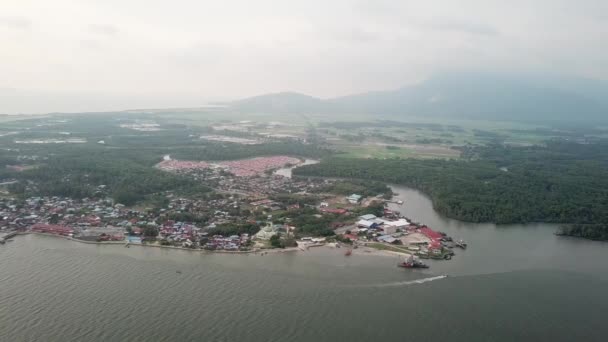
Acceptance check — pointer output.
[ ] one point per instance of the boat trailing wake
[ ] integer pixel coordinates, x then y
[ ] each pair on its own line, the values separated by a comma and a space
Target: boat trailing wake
411, 282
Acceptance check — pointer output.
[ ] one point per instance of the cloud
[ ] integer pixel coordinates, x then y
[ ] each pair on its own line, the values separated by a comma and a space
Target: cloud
20, 23
466, 27
104, 30
202, 54
356, 35
236, 48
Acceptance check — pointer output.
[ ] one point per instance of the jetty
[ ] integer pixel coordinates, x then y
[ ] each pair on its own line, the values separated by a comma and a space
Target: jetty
6, 236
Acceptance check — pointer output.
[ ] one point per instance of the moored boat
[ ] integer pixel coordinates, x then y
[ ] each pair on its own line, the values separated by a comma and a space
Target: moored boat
410, 262
461, 243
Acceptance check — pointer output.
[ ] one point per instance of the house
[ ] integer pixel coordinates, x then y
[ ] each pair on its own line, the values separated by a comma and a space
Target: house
354, 198
366, 224
389, 230
390, 227
334, 211
435, 247
388, 239
351, 237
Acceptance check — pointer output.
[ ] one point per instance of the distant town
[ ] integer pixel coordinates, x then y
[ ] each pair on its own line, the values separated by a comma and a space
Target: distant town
256, 207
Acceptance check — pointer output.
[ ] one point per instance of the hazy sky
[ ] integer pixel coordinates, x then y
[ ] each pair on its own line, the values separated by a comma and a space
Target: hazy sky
117, 54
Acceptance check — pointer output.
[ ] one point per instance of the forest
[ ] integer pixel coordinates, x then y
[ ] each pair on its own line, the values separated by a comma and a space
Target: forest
122, 159
561, 182
128, 172
127, 180
355, 186
588, 231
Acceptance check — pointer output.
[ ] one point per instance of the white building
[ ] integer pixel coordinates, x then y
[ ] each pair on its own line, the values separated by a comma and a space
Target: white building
390, 227
267, 232
354, 198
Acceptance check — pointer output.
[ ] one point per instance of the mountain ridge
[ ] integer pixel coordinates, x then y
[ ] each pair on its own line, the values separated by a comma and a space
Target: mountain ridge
458, 95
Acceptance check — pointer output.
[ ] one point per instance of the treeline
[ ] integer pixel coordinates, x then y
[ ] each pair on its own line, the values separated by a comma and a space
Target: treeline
355, 186
120, 158
309, 223
350, 125
80, 175
562, 182
587, 231
127, 171
229, 229
228, 151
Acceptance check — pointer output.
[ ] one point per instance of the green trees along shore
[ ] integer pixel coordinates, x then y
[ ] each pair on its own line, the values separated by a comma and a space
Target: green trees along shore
562, 182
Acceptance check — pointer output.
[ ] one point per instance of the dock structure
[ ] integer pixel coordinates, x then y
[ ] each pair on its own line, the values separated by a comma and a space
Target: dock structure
6, 236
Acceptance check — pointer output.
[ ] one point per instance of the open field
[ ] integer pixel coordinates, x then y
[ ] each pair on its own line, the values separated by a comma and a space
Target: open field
350, 136
385, 247
385, 151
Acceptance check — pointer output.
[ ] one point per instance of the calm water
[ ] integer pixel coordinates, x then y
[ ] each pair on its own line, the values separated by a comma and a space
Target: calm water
286, 171
515, 283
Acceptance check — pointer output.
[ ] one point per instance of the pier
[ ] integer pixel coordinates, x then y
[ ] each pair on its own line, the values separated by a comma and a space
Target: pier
6, 236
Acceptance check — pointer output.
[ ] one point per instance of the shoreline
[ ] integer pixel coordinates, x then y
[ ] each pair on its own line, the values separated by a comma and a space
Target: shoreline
126, 243
363, 250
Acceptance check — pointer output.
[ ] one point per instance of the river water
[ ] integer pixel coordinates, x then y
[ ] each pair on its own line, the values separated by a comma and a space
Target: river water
513, 283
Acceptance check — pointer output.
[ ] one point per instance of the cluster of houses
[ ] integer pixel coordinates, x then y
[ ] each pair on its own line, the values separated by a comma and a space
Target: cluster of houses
395, 230
245, 177
230, 243
186, 222
387, 226
101, 220
239, 168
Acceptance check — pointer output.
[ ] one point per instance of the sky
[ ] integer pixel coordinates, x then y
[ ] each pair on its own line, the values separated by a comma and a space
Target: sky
93, 55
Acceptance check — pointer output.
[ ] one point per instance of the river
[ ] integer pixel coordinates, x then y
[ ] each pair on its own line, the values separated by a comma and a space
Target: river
513, 283
286, 171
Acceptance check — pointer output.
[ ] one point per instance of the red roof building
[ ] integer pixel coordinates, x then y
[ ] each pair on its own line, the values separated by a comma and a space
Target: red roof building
431, 234
351, 237
334, 211
52, 229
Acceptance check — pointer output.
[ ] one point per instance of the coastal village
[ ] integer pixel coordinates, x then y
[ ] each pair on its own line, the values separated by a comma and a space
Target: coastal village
256, 207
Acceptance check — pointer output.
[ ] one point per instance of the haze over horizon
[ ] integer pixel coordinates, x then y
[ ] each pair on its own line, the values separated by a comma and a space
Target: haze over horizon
110, 55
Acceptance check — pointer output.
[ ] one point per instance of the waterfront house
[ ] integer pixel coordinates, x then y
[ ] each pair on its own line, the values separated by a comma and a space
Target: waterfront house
367, 224
368, 217
388, 239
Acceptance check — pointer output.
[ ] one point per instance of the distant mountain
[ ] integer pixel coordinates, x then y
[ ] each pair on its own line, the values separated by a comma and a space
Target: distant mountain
285, 102
461, 95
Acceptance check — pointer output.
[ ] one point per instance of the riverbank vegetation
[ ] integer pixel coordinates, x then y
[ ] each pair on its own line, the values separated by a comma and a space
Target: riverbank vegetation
562, 182
356, 186
588, 231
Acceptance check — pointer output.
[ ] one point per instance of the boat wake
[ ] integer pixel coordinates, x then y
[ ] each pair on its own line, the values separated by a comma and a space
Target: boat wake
411, 282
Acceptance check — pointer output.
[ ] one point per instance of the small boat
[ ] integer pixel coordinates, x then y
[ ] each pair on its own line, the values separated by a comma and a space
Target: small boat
461, 243
410, 262
400, 202
348, 252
